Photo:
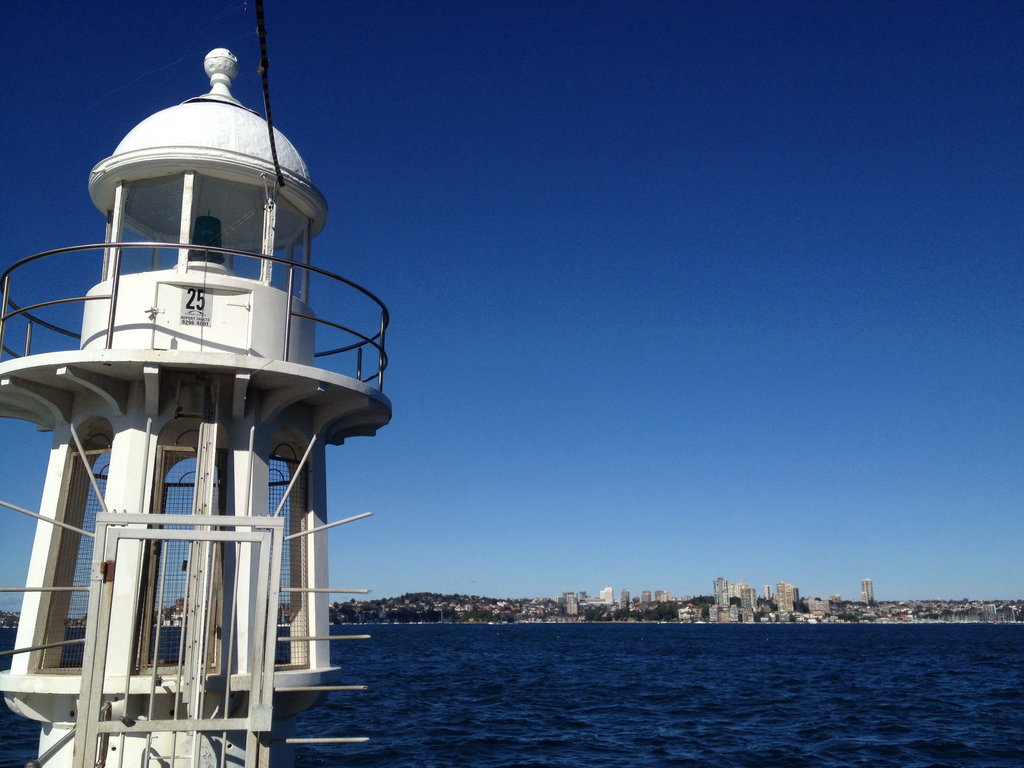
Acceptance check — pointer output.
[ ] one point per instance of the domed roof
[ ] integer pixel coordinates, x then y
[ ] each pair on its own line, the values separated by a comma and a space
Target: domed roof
217, 125
214, 134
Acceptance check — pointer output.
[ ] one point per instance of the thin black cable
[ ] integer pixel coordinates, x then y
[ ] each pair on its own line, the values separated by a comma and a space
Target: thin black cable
264, 65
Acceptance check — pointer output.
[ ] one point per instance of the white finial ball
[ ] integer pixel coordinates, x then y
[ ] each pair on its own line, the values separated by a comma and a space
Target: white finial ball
222, 66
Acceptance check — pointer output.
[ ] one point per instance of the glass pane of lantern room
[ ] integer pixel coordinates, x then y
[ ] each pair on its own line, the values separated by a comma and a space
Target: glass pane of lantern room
152, 213
229, 214
291, 241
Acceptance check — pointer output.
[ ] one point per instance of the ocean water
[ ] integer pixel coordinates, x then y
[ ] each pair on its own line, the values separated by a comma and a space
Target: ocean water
595, 695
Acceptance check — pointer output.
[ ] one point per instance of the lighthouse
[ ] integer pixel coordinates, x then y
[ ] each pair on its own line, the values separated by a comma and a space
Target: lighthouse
192, 368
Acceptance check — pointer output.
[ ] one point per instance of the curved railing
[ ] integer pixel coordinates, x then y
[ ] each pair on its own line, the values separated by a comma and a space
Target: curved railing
347, 340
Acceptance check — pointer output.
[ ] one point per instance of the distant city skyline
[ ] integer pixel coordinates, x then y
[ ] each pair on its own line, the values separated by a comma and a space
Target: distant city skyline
722, 590
768, 592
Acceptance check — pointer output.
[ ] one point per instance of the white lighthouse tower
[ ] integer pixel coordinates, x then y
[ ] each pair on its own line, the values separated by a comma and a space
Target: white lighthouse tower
192, 368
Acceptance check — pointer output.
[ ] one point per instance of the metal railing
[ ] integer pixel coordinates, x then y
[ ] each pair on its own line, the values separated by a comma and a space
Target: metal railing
36, 313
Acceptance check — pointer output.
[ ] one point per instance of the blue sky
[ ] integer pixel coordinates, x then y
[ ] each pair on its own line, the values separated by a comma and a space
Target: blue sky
678, 290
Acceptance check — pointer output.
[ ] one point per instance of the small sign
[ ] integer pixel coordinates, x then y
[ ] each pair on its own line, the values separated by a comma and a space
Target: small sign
195, 310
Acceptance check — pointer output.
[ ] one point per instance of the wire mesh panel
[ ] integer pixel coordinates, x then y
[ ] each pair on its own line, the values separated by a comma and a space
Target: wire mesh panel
67, 612
170, 565
169, 560
292, 611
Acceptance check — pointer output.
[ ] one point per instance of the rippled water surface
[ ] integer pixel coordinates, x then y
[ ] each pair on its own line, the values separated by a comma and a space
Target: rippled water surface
600, 695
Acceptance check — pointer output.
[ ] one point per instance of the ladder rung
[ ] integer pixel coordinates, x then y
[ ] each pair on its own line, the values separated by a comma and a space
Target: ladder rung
327, 740
303, 638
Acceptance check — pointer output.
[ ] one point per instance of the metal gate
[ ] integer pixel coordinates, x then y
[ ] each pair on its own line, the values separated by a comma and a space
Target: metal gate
197, 688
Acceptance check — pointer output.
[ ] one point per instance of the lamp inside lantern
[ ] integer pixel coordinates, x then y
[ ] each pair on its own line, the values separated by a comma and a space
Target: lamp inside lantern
206, 232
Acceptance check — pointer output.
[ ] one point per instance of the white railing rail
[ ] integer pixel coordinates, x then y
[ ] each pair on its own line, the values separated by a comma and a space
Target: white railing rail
361, 344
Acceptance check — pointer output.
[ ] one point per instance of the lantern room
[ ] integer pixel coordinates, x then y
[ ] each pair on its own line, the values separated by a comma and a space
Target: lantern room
203, 173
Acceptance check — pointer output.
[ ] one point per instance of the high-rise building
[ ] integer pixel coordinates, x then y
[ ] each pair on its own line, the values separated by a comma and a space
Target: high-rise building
766, 593
748, 597
786, 596
645, 597
607, 595
722, 593
624, 600
780, 597
867, 591
572, 605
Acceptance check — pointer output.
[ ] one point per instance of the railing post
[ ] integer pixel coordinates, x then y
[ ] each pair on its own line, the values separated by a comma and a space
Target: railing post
28, 339
113, 297
288, 313
3, 311
381, 355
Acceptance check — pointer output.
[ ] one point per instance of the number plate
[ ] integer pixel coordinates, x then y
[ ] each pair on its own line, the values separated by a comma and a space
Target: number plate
195, 307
